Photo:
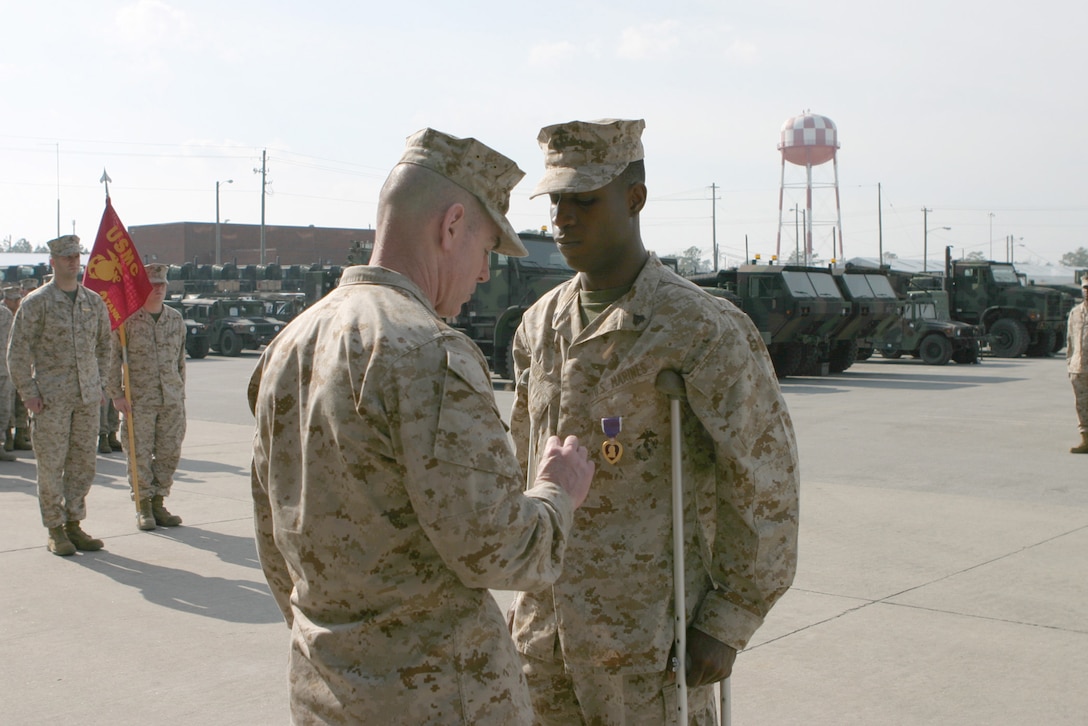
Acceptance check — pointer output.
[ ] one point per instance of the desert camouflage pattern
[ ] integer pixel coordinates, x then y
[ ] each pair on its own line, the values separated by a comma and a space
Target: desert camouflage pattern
1076, 358
475, 167
64, 246
598, 697
6, 388
58, 351
612, 608
581, 156
387, 500
156, 361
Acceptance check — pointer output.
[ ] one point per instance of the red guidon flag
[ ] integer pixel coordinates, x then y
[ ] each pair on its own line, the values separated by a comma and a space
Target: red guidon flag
115, 270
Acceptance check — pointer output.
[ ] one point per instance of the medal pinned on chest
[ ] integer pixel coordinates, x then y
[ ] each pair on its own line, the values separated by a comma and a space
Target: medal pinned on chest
611, 449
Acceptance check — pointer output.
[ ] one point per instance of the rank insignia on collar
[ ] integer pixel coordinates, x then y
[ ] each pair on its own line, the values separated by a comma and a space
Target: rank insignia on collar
611, 449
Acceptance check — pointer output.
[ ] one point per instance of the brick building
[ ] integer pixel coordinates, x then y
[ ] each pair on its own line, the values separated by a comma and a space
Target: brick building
176, 243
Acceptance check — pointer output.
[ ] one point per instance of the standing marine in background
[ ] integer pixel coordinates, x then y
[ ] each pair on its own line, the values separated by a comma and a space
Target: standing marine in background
17, 431
156, 359
1076, 359
6, 398
57, 355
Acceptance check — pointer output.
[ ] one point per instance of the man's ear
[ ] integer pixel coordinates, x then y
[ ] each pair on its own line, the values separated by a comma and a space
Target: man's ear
453, 226
636, 198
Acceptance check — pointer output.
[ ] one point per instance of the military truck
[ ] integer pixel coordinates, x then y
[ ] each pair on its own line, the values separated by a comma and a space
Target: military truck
796, 309
926, 331
874, 308
1018, 319
493, 313
233, 324
197, 340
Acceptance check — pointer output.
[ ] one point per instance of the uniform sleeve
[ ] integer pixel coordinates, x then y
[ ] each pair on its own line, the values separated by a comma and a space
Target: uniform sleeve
104, 345
114, 377
272, 562
24, 331
519, 416
734, 393
463, 479
1071, 335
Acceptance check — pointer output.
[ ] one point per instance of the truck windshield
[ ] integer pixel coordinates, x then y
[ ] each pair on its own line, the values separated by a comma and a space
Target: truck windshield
881, 286
1005, 276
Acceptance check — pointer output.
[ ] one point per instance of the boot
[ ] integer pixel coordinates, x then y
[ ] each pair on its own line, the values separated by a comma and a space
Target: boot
145, 518
59, 543
9, 441
115, 443
104, 445
22, 439
163, 518
81, 539
1083, 448
7, 456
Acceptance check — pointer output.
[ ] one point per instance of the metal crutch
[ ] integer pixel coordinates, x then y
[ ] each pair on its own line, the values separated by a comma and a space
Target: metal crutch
671, 384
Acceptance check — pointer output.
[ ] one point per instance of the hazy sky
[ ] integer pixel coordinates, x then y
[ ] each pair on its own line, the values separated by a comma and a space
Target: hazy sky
966, 108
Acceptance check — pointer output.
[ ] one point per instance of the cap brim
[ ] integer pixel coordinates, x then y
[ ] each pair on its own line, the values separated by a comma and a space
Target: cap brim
575, 180
509, 242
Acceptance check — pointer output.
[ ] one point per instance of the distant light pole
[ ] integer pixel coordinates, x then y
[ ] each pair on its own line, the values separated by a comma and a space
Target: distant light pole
992, 215
217, 239
925, 237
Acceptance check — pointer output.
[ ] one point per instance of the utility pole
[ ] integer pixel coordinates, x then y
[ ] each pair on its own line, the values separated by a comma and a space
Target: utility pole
714, 221
925, 236
879, 225
263, 171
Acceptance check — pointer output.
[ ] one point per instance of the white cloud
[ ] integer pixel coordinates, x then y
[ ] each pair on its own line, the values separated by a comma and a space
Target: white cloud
151, 23
651, 40
543, 55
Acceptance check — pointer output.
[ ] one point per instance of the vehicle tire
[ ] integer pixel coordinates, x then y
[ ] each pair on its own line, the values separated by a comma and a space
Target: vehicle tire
1043, 346
1008, 338
966, 355
1059, 341
786, 360
891, 354
230, 344
935, 349
198, 348
843, 356
865, 353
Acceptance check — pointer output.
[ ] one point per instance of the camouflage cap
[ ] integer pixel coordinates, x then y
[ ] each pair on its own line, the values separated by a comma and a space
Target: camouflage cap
156, 273
28, 283
580, 156
64, 246
477, 168
12, 292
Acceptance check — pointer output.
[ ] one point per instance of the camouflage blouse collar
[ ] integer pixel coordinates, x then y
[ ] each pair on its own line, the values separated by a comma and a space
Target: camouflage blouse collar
631, 312
374, 275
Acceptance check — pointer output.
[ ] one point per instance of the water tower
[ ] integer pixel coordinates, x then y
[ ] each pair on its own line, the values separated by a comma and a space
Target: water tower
808, 141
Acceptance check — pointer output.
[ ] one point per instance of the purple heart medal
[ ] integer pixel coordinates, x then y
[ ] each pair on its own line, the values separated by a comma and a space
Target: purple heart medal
612, 450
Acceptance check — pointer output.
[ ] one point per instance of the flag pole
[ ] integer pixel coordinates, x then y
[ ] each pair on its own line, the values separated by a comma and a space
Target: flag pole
131, 448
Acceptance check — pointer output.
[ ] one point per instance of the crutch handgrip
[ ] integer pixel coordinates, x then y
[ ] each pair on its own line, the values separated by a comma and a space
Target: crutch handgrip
671, 384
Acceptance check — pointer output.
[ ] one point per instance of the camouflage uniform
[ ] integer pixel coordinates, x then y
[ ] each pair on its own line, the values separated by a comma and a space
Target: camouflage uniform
611, 611
387, 500
156, 362
6, 398
58, 348
1076, 357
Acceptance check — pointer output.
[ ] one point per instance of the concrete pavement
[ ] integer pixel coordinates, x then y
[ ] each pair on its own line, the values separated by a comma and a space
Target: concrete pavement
943, 574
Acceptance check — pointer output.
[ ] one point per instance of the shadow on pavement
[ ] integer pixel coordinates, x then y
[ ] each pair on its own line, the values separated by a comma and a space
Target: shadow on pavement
235, 601
228, 547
